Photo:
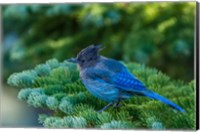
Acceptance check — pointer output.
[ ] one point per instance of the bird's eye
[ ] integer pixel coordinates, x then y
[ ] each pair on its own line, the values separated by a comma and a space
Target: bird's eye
90, 59
82, 61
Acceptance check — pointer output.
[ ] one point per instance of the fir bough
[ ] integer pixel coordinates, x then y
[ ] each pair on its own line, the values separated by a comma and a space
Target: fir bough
56, 86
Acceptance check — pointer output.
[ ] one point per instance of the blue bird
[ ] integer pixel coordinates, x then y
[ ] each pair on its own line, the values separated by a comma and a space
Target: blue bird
109, 80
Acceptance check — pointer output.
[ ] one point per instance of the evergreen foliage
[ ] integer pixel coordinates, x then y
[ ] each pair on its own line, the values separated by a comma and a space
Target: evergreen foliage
152, 33
56, 86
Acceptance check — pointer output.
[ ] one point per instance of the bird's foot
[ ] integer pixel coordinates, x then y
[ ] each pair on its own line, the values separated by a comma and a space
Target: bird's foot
117, 105
104, 108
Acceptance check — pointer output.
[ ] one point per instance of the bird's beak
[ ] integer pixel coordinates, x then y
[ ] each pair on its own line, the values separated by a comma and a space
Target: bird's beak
73, 60
99, 47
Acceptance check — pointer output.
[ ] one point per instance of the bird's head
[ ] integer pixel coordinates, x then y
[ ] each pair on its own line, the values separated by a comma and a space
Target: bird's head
88, 56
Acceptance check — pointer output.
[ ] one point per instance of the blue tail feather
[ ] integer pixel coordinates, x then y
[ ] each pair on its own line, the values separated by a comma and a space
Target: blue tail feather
162, 99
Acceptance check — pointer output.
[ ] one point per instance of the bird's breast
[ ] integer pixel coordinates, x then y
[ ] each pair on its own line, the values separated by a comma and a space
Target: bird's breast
101, 90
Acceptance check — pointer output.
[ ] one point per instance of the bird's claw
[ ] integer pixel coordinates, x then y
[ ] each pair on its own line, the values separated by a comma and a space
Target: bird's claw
117, 105
104, 108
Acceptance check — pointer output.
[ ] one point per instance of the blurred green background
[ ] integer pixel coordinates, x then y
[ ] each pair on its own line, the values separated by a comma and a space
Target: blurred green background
157, 34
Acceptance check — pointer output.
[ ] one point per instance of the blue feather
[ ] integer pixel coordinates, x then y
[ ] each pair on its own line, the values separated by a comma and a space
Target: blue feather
153, 95
127, 81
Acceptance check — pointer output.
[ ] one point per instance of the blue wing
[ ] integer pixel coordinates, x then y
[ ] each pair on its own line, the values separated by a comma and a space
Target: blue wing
122, 78
115, 73
126, 81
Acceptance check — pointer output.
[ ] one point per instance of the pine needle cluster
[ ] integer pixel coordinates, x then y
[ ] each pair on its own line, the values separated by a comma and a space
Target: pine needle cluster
56, 86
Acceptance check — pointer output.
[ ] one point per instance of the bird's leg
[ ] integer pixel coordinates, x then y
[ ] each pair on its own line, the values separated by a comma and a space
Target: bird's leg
117, 104
105, 107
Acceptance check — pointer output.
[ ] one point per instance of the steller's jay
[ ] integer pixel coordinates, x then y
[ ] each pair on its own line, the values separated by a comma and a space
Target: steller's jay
110, 80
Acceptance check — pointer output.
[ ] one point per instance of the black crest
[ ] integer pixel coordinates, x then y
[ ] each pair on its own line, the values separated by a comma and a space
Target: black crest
87, 57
